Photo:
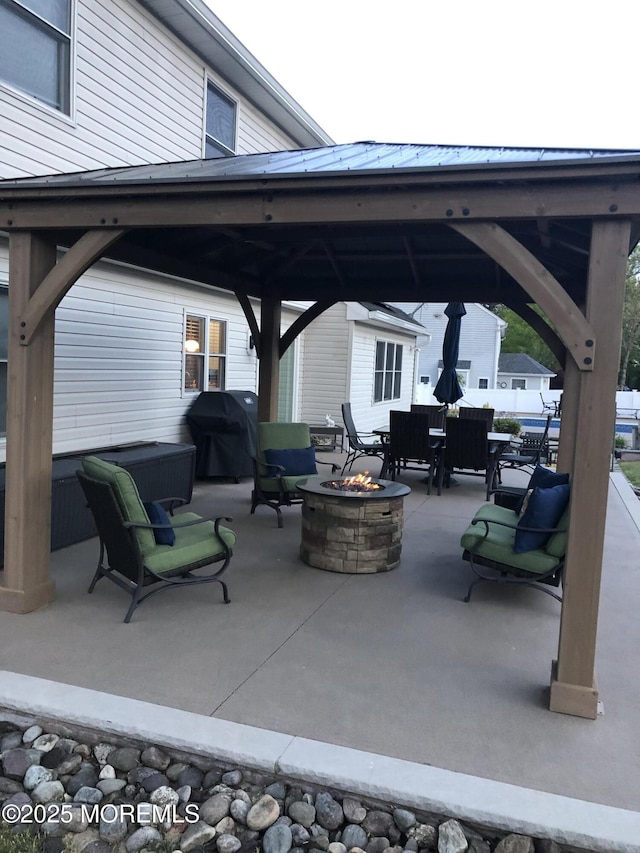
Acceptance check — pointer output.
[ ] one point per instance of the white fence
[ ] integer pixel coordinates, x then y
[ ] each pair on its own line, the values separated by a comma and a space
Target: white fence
519, 402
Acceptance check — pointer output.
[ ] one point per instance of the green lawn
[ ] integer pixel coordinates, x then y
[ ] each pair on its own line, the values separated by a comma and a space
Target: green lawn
631, 471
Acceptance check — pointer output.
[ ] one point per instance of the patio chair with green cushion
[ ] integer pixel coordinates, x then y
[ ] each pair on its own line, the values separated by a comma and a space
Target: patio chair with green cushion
284, 457
525, 547
140, 545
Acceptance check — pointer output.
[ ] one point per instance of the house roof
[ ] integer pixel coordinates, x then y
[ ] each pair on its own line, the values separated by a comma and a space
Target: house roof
521, 362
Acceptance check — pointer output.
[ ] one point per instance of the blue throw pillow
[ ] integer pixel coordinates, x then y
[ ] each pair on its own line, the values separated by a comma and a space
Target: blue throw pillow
296, 462
544, 510
158, 515
543, 478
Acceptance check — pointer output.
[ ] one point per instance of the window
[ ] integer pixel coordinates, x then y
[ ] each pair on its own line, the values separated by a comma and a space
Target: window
519, 384
483, 383
205, 343
35, 49
388, 371
220, 133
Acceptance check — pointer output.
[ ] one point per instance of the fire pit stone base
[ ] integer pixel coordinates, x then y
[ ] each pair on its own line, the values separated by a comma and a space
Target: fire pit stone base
352, 536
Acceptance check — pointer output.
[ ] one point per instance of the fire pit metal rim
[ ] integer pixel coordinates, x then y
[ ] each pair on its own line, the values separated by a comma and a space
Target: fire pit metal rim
391, 489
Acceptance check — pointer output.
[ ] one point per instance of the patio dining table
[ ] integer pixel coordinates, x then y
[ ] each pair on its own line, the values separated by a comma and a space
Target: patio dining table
501, 439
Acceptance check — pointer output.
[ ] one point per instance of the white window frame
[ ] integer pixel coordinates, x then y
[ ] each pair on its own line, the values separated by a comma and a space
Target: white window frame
67, 74
483, 379
223, 150
515, 387
206, 353
385, 372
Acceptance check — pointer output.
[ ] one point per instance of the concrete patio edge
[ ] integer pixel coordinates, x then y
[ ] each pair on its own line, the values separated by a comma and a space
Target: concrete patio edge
497, 805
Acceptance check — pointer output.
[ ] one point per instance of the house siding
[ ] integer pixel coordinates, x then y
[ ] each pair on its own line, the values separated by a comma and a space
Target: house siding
115, 123
479, 340
323, 385
119, 356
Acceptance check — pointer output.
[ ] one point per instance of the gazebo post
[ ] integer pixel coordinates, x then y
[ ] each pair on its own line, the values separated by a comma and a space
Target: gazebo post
28, 584
269, 361
573, 689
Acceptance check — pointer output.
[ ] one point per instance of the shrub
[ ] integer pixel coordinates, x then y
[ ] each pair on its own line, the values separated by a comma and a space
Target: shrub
508, 425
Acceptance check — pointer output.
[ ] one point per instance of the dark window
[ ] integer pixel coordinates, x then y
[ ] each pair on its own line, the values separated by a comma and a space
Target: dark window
204, 354
387, 379
35, 49
220, 134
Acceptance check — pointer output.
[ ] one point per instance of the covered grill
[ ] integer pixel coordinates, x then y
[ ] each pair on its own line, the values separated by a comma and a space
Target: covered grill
223, 428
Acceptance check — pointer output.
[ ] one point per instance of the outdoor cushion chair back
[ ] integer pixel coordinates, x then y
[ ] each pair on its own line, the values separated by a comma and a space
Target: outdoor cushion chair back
358, 447
485, 415
468, 450
284, 457
130, 555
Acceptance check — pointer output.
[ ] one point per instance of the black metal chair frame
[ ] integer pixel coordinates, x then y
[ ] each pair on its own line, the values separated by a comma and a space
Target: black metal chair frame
357, 447
467, 450
281, 497
552, 406
125, 565
533, 447
510, 574
409, 441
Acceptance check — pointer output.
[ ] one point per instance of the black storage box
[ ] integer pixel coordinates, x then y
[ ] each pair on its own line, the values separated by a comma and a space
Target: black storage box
223, 426
160, 471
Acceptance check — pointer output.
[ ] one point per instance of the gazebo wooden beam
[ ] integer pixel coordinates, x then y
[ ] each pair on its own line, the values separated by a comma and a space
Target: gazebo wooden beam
573, 328
573, 689
541, 328
300, 323
27, 584
89, 248
269, 362
407, 203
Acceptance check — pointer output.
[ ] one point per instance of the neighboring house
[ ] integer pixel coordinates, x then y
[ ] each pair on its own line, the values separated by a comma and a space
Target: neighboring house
86, 84
518, 371
481, 333
361, 352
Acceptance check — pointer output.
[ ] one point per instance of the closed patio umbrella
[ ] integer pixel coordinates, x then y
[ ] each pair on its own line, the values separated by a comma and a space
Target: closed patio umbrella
448, 388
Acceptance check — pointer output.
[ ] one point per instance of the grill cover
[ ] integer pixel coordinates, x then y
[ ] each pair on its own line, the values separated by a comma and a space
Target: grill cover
223, 428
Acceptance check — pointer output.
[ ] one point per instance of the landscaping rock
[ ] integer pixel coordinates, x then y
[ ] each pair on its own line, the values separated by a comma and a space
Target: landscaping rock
263, 813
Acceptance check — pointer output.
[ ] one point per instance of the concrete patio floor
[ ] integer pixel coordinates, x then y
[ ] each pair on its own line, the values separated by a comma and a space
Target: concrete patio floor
393, 663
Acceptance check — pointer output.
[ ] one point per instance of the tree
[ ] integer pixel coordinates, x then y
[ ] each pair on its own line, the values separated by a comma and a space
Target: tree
520, 337
630, 346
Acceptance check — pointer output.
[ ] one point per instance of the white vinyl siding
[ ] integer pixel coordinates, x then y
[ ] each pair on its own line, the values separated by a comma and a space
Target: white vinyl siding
118, 357
323, 380
158, 118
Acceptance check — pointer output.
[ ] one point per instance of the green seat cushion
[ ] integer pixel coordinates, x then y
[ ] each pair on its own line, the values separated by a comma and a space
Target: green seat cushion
127, 495
290, 484
498, 546
193, 544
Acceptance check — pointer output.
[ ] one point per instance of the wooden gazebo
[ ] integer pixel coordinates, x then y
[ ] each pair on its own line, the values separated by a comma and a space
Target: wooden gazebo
363, 221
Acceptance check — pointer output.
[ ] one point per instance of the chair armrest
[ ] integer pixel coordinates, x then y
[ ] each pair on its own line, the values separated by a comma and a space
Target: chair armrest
334, 467
488, 521
143, 524
171, 503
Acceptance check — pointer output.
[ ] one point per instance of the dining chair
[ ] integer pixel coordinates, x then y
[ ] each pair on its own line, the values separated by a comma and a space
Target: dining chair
439, 413
481, 414
357, 445
533, 449
468, 450
410, 442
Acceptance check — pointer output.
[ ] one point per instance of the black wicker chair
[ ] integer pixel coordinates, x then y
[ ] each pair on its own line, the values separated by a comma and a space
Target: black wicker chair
130, 555
358, 447
410, 442
486, 415
469, 451
438, 412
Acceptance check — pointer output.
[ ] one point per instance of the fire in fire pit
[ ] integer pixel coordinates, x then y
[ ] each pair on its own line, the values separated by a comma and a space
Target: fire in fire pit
357, 483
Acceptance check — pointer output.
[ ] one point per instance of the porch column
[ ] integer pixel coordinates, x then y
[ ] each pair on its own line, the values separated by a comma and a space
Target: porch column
28, 584
269, 361
573, 689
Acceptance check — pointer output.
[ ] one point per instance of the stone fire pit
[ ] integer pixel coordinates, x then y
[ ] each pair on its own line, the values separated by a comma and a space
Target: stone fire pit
348, 529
